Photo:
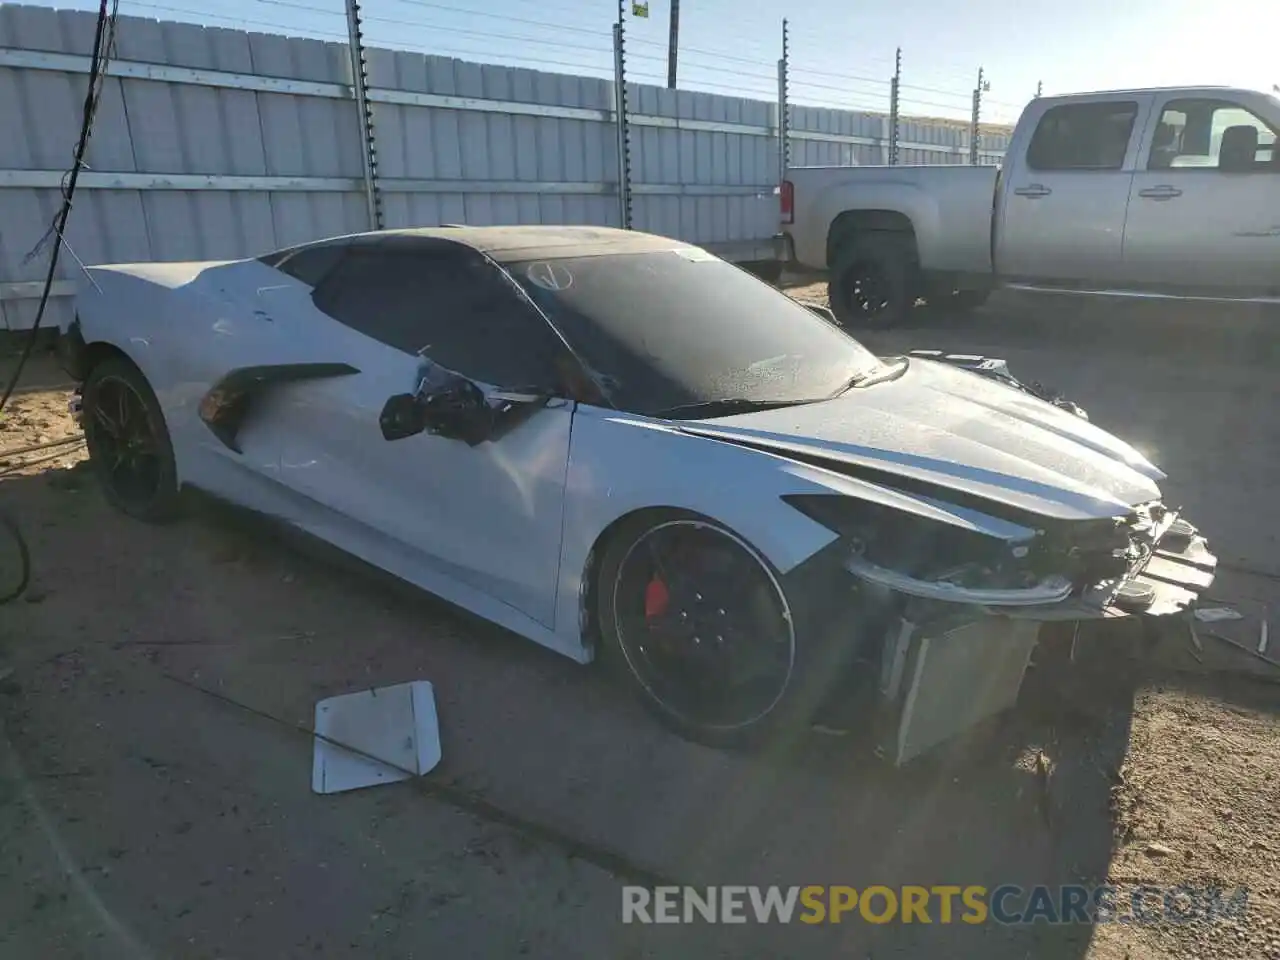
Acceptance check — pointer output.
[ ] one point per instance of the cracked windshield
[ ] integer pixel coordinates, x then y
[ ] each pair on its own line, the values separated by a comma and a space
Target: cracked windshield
639, 478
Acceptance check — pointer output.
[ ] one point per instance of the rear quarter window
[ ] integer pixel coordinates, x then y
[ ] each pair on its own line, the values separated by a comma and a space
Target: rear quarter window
309, 265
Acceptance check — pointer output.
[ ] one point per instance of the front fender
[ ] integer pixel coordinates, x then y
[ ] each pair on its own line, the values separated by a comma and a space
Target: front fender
619, 464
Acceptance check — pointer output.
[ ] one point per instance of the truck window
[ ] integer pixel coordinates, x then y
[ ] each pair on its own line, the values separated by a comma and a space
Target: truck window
1191, 134
1083, 136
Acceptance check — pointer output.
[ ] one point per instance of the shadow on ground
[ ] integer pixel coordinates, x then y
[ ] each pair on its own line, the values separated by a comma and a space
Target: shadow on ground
162, 794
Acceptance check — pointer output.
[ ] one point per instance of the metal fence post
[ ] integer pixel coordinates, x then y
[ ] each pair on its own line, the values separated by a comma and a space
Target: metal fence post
359, 86
784, 111
895, 91
975, 137
620, 115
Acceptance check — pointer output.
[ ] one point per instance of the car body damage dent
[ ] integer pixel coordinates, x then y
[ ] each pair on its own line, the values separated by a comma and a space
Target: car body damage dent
951, 430
227, 404
998, 370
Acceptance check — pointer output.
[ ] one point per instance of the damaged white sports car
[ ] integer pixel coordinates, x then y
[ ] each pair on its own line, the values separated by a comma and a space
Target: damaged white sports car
618, 445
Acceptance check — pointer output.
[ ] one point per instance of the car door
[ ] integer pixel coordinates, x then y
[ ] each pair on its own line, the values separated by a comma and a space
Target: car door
1063, 207
1204, 209
487, 517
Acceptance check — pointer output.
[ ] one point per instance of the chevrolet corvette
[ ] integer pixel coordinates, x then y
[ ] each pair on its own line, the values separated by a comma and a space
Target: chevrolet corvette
619, 446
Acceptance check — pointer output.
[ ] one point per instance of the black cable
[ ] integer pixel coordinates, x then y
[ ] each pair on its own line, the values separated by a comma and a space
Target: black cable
102, 39
24, 558
17, 451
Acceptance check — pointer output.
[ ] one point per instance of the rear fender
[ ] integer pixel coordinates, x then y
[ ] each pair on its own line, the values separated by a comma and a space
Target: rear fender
873, 198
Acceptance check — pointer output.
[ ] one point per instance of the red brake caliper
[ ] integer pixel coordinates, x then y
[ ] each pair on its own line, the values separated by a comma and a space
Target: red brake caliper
656, 600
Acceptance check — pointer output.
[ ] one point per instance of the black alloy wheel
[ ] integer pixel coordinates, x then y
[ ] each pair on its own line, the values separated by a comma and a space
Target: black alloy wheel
702, 625
128, 442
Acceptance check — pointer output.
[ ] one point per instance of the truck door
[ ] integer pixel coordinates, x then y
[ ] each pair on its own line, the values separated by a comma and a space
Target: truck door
1062, 211
1204, 206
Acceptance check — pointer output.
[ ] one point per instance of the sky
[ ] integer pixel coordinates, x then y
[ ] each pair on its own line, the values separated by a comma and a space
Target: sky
841, 51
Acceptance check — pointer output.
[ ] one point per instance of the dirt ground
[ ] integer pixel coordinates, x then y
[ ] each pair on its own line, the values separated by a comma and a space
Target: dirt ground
155, 766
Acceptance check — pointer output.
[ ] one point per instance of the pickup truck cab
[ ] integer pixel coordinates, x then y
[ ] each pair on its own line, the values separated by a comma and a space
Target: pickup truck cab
1154, 193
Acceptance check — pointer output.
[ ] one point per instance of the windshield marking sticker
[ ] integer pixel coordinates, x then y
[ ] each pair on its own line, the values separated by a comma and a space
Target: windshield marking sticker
549, 276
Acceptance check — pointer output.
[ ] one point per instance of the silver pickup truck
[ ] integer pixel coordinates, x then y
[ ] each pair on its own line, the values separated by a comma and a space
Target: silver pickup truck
1151, 193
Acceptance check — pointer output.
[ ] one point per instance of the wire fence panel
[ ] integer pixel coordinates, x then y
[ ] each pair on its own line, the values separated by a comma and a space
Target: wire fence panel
217, 143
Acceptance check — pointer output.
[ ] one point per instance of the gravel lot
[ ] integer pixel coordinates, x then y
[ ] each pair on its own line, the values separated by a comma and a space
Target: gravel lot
144, 813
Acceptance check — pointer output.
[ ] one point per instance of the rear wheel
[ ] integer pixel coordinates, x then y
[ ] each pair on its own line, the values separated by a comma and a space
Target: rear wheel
696, 622
128, 441
872, 283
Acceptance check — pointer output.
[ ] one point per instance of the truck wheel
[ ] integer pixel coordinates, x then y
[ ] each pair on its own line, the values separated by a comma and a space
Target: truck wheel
872, 282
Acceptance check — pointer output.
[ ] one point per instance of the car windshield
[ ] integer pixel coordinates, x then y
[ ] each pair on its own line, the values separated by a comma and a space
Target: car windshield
678, 328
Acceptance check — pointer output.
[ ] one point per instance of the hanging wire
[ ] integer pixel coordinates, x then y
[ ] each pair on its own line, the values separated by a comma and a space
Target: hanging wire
287, 29
481, 34
505, 18
839, 88
496, 60
762, 76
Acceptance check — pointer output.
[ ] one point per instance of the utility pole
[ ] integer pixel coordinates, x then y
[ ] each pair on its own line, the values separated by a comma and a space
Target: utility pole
894, 92
673, 44
975, 138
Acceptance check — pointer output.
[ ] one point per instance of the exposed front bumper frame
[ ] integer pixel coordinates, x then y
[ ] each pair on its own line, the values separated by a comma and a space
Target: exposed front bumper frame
1173, 575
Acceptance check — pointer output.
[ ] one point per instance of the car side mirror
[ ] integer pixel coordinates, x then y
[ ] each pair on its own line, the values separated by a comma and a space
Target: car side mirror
401, 417
457, 409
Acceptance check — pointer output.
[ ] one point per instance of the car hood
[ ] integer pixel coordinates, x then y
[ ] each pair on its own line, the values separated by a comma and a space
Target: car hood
959, 431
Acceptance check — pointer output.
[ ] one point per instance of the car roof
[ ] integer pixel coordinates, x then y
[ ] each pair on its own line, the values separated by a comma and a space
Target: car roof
512, 243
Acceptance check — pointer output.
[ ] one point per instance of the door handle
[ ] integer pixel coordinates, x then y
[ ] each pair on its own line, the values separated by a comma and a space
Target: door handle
1034, 191
1162, 192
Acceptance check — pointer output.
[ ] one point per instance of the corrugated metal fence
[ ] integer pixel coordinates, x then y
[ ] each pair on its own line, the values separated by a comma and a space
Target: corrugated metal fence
213, 143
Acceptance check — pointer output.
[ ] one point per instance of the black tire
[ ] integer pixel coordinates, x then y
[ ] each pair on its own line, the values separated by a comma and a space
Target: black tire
774, 709
129, 446
873, 280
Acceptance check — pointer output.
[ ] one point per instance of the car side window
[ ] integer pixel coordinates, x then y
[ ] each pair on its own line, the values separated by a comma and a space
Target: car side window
1083, 136
455, 309
1204, 134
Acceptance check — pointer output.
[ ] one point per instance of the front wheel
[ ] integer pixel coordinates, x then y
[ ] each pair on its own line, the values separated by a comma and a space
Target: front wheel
695, 621
128, 441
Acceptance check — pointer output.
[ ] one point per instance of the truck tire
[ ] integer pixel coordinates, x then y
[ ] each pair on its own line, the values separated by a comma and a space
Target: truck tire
873, 280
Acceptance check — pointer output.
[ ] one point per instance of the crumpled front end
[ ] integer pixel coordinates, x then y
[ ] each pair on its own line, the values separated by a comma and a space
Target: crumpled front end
1149, 562
960, 618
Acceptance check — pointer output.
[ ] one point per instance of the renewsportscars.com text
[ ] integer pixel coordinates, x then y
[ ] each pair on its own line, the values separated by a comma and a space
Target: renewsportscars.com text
972, 904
